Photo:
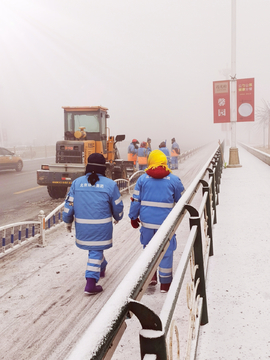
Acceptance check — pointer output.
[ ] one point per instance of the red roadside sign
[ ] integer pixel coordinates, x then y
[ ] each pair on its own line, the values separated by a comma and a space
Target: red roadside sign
221, 93
245, 100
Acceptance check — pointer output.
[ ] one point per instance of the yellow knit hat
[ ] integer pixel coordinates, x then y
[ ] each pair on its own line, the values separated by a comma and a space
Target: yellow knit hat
157, 158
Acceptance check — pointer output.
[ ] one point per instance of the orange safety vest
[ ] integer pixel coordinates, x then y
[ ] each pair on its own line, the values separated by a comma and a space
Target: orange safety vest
142, 160
132, 157
173, 153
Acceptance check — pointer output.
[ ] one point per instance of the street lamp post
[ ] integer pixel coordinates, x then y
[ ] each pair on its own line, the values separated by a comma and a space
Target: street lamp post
234, 157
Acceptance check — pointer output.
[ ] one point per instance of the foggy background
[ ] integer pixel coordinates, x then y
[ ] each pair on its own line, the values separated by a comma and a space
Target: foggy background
152, 63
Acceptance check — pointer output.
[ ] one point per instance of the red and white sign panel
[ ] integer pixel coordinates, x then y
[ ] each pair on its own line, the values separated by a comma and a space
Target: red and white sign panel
245, 100
221, 92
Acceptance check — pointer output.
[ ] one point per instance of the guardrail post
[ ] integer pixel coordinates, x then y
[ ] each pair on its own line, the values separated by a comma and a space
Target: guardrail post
4, 241
218, 170
206, 189
152, 341
41, 218
214, 164
195, 220
213, 188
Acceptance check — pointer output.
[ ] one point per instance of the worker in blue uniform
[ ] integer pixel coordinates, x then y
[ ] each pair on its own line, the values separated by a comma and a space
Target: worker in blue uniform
133, 151
143, 153
148, 144
165, 150
175, 152
154, 196
92, 203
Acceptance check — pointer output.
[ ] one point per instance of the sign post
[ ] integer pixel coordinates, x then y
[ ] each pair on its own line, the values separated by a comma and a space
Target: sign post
234, 157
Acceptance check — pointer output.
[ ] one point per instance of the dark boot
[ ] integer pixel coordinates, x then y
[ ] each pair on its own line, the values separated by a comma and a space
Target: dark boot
153, 282
91, 288
165, 287
102, 273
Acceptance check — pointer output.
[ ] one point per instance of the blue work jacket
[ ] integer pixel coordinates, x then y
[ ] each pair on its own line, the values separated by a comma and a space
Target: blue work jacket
175, 146
154, 199
93, 208
143, 152
165, 151
132, 149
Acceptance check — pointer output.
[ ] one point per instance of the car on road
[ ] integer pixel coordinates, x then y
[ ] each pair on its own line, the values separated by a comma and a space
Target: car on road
9, 160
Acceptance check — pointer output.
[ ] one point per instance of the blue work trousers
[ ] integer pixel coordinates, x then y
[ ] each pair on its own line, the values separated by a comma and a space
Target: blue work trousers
174, 162
95, 264
166, 264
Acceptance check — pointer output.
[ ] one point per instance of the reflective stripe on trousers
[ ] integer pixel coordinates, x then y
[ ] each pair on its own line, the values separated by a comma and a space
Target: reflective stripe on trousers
96, 262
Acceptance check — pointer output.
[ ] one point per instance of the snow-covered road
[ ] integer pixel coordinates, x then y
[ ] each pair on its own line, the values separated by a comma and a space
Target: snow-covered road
44, 310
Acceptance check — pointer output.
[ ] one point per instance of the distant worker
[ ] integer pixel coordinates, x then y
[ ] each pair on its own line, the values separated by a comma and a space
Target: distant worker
92, 203
148, 145
175, 152
154, 196
133, 151
165, 150
143, 153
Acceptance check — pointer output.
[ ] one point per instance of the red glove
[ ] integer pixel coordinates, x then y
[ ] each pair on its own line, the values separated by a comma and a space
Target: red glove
135, 223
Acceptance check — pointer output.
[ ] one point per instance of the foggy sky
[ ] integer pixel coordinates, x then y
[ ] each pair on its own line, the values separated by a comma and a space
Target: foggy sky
152, 63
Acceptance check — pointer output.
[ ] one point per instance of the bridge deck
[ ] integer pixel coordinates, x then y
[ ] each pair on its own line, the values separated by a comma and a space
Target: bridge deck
44, 310
238, 274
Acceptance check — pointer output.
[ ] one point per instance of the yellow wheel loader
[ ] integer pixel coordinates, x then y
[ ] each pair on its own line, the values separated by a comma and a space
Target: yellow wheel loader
85, 132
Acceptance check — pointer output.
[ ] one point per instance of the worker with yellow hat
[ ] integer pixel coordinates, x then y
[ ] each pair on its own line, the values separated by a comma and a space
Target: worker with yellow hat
154, 196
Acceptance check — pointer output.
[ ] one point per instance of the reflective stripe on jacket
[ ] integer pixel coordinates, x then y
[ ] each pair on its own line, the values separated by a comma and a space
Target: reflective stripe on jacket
93, 208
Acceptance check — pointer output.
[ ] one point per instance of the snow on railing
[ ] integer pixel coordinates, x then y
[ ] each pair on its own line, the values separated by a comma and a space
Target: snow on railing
102, 336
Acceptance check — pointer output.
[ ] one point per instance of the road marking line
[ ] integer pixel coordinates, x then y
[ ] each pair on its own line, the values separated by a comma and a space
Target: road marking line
26, 172
19, 192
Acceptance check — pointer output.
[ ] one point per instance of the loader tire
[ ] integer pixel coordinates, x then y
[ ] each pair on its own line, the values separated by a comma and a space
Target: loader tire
57, 192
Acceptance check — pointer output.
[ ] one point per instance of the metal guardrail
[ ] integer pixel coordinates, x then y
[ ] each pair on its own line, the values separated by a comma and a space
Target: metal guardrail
128, 184
102, 336
15, 235
258, 153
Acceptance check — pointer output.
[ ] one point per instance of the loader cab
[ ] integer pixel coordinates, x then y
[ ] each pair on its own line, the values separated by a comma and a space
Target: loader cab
86, 123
